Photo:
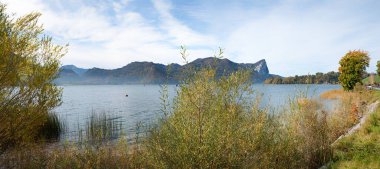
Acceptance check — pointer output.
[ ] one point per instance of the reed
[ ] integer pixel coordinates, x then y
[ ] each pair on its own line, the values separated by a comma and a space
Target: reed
102, 128
52, 129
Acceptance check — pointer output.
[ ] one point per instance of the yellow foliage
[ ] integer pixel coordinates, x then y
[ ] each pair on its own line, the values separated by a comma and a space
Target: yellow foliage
29, 62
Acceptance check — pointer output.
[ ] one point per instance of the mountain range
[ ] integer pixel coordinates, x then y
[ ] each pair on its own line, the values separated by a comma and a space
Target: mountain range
154, 73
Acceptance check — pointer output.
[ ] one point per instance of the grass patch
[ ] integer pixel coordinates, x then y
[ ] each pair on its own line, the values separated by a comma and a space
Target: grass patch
362, 149
367, 80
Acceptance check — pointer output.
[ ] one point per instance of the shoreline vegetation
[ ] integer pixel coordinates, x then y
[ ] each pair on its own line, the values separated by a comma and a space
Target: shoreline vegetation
213, 121
318, 78
301, 130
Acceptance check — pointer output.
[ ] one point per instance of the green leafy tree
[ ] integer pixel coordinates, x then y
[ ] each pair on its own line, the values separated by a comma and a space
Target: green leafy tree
378, 67
352, 68
29, 62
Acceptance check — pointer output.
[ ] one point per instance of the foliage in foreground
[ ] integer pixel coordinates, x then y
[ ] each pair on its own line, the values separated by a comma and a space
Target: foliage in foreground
362, 149
95, 147
217, 123
72, 156
29, 62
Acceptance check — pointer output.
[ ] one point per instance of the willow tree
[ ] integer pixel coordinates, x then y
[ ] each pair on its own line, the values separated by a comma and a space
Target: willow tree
352, 68
29, 62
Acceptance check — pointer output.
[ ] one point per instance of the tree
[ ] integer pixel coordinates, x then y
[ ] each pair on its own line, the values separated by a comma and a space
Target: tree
29, 62
352, 68
378, 67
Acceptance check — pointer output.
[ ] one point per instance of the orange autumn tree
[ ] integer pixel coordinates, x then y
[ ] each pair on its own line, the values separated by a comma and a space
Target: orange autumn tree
352, 68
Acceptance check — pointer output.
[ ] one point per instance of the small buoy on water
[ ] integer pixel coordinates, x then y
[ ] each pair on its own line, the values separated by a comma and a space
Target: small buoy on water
126, 95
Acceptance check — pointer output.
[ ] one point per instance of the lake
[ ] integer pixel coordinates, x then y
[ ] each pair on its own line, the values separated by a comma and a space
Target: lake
143, 102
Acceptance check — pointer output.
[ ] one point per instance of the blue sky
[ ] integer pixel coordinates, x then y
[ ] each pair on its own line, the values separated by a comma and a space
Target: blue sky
294, 36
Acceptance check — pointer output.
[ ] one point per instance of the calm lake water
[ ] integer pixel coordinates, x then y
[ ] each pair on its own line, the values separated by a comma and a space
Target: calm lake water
143, 102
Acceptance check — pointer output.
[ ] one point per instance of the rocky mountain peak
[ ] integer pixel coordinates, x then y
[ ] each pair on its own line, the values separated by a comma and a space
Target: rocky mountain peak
149, 72
261, 67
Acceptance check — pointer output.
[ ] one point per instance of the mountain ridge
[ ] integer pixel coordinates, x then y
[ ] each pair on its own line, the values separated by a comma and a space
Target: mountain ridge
156, 73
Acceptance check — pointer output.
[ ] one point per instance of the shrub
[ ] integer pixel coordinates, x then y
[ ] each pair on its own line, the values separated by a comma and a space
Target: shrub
29, 62
217, 123
213, 124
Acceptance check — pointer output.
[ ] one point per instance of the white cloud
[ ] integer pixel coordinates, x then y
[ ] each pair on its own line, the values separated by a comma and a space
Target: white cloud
99, 40
296, 41
178, 32
20, 8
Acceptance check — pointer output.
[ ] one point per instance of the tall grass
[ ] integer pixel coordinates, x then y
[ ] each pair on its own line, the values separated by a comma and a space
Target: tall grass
52, 129
102, 127
96, 147
308, 132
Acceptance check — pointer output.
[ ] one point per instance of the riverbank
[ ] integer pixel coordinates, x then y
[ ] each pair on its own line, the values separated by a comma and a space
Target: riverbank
360, 149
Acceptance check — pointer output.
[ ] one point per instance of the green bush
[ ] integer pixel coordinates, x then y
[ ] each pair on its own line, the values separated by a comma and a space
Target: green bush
212, 124
217, 123
29, 62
